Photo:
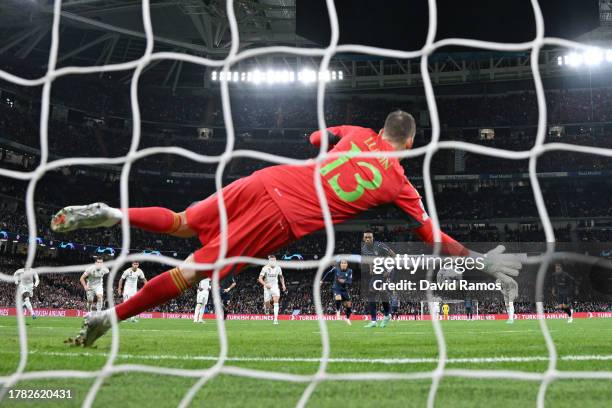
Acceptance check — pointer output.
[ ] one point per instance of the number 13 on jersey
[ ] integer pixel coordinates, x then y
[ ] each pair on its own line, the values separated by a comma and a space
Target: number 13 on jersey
361, 184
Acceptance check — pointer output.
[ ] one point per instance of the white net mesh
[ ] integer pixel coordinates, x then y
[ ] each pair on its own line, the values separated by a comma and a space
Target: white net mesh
233, 57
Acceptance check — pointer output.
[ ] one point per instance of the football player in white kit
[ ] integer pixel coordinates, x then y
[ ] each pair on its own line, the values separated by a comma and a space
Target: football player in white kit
509, 289
201, 300
92, 280
26, 281
268, 278
131, 277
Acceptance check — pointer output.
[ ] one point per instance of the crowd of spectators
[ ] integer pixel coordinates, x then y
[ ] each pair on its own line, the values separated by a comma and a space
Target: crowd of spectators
96, 135
481, 210
64, 291
277, 110
105, 131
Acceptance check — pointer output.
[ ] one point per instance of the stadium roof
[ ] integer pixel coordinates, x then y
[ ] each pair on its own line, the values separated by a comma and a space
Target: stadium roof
114, 27
96, 32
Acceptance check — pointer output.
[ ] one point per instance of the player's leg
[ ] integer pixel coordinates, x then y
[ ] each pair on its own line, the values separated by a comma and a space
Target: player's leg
348, 308
386, 312
338, 302
372, 309
196, 312
90, 296
394, 308
275, 299
385, 298
126, 296
99, 299
27, 304
267, 298
225, 299
565, 305
203, 308
153, 219
372, 295
510, 310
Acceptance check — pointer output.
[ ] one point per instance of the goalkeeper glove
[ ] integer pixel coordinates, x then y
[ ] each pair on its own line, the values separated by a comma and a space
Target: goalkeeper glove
498, 264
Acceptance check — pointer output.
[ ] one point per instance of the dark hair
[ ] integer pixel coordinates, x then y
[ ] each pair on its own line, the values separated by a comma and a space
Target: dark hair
400, 126
368, 231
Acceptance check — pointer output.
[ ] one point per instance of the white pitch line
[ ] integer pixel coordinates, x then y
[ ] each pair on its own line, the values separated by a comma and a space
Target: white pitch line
391, 361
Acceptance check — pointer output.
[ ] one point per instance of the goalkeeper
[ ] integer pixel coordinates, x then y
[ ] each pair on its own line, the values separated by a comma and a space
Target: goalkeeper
278, 205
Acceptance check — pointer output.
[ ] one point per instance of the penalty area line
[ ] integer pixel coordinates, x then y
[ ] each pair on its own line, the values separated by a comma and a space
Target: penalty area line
426, 360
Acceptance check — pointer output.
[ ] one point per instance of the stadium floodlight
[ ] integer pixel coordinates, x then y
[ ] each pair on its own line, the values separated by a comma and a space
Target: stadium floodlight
271, 77
574, 59
592, 57
256, 77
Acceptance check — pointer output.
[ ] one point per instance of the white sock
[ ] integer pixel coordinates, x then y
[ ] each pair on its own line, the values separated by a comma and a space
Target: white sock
196, 313
275, 311
28, 305
99, 305
510, 310
202, 310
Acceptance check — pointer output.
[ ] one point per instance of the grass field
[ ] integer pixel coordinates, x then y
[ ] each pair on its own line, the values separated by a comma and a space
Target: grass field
294, 347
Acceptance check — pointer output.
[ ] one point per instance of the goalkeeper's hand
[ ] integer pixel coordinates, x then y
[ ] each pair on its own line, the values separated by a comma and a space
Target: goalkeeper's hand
499, 265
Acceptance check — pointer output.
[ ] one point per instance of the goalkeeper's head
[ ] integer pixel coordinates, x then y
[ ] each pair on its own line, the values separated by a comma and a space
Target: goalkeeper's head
399, 130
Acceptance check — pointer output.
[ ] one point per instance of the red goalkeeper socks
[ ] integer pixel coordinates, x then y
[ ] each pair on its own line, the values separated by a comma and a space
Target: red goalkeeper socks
155, 219
157, 291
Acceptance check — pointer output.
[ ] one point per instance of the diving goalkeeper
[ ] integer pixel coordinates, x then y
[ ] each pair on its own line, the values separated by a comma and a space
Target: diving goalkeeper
278, 205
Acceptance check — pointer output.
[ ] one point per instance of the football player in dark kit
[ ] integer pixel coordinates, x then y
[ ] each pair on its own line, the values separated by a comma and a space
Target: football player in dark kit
467, 303
225, 286
371, 248
342, 281
563, 285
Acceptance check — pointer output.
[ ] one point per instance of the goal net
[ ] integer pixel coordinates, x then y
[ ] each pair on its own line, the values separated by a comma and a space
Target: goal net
322, 374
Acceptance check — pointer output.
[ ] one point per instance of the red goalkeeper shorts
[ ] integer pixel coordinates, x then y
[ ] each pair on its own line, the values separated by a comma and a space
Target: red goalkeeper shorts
256, 225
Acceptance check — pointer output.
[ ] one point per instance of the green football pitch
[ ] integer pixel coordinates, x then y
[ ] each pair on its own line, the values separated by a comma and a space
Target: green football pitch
294, 347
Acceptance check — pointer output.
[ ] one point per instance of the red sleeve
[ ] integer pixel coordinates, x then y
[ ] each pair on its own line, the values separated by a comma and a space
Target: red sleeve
409, 201
338, 131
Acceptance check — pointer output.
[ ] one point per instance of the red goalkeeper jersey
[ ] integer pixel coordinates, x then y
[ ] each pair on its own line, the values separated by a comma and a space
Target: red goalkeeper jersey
352, 185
